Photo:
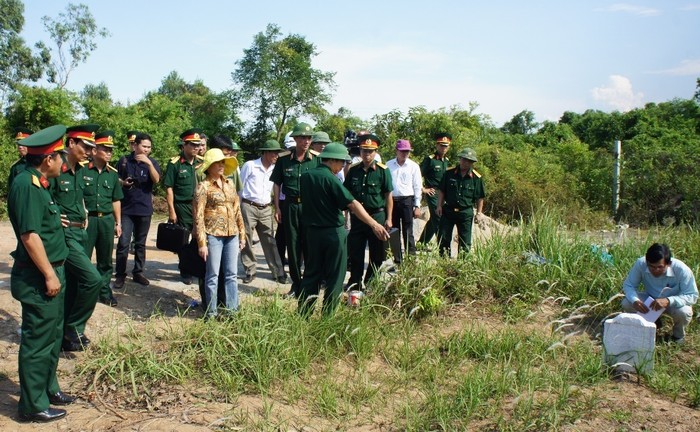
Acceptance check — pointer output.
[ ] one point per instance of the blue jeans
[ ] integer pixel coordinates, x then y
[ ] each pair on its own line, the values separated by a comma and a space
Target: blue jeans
223, 257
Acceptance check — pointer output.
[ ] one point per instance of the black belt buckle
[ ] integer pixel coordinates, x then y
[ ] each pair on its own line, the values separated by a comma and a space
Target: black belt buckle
80, 224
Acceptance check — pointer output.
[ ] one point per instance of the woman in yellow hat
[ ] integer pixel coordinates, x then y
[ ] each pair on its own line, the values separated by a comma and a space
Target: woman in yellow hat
218, 227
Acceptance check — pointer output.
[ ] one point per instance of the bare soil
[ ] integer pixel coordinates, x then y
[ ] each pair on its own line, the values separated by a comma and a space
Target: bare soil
623, 405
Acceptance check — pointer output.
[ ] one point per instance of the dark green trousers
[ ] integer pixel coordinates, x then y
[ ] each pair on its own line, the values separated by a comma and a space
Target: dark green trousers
327, 263
293, 232
100, 238
462, 219
83, 282
183, 211
433, 225
42, 334
361, 236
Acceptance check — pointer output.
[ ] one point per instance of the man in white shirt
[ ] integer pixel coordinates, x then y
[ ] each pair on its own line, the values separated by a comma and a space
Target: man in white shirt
407, 181
259, 212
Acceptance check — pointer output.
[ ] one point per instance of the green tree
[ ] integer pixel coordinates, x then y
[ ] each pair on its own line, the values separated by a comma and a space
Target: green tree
18, 63
522, 123
74, 33
37, 107
275, 80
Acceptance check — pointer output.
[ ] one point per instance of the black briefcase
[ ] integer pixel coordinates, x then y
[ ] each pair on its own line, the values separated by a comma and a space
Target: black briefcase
190, 261
172, 237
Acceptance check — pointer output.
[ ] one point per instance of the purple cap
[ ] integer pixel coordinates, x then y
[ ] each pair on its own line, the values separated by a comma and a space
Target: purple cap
403, 145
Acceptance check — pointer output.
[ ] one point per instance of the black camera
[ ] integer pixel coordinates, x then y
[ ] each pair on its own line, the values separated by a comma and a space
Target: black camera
351, 142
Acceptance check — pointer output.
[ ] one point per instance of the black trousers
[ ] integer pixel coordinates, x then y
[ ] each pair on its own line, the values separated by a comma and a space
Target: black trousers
139, 226
402, 217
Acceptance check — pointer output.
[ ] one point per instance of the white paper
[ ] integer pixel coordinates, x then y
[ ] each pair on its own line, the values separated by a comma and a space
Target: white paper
652, 315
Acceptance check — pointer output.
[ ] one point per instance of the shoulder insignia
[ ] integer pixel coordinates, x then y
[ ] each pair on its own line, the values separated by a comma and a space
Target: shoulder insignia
432, 156
381, 165
35, 181
111, 168
476, 173
174, 159
17, 161
64, 167
83, 163
199, 158
355, 164
284, 153
314, 152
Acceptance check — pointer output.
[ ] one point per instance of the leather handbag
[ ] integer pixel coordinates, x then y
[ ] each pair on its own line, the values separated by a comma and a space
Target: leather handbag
190, 261
172, 237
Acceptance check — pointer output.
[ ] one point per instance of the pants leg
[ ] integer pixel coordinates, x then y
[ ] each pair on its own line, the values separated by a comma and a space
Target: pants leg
265, 230
100, 238
334, 269
433, 225
123, 245
42, 334
465, 218
293, 235
357, 242
215, 247
229, 263
280, 238
447, 224
377, 248
83, 283
327, 263
250, 221
141, 226
681, 316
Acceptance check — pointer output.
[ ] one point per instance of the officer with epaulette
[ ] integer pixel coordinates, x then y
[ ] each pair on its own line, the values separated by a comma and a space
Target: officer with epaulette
324, 200
103, 195
37, 279
285, 176
180, 180
83, 281
19, 165
432, 169
370, 183
460, 191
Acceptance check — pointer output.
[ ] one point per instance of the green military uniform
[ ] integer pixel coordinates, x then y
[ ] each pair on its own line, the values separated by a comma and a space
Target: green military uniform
432, 169
19, 165
180, 175
461, 194
102, 189
83, 281
32, 209
287, 173
369, 188
324, 199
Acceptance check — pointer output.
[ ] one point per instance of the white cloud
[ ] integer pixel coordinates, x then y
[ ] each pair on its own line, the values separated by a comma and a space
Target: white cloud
686, 68
690, 7
618, 94
632, 9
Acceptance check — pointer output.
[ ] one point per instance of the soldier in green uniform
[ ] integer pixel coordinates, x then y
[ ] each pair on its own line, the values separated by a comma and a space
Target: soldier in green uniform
83, 281
37, 279
20, 164
432, 169
461, 189
285, 176
324, 198
103, 195
370, 183
180, 180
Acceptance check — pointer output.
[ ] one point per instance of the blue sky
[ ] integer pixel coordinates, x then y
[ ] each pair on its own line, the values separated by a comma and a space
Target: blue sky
546, 56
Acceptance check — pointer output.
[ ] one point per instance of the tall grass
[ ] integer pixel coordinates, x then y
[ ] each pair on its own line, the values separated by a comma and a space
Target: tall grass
399, 360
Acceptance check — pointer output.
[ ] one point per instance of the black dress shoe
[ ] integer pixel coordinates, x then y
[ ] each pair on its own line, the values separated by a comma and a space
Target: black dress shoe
49, 414
61, 398
248, 278
282, 280
83, 339
109, 301
74, 342
119, 282
139, 278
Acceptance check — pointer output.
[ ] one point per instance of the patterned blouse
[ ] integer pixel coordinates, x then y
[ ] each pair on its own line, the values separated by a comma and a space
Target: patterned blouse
217, 211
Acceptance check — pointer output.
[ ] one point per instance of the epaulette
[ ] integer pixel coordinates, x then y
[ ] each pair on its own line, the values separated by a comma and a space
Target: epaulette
476, 173
314, 152
198, 157
355, 164
15, 162
174, 159
432, 156
64, 167
381, 165
35, 181
83, 163
284, 153
110, 167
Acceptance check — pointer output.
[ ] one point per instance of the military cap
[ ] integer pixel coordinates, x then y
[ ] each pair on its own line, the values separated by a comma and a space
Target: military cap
320, 137
191, 135
85, 132
368, 141
271, 145
302, 129
105, 138
22, 133
335, 150
469, 154
443, 138
131, 135
46, 141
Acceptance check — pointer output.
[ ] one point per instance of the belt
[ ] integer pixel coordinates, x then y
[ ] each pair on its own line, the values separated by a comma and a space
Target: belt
256, 205
295, 199
457, 209
400, 198
373, 211
98, 214
80, 225
22, 264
